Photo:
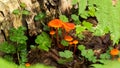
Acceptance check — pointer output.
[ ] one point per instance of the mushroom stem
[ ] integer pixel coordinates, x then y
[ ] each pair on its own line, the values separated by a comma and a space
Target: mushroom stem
75, 45
57, 38
74, 48
113, 57
63, 33
52, 32
69, 48
70, 45
52, 37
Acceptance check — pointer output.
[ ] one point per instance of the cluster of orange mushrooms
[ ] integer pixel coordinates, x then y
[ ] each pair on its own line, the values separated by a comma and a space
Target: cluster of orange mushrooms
66, 27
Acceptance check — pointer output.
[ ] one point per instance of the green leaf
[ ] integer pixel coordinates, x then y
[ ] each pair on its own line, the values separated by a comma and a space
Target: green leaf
99, 31
91, 11
44, 41
81, 47
85, 15
82, 6
105, 56
79, 29
90, 53
80, 36
66, 54
75, 18
64, 43
8, 58
63, 18
7, 48
84, 53
16, 11
40, 16
17, 35
87, 25
74, 2
23, 5
25, 12
23, 56
63, 61
109, 16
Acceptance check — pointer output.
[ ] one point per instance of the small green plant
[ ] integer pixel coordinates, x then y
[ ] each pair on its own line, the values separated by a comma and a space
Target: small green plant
88, 26
80, 28
17, 35
76, 19
63, 18
44, 41
105, 56
82, 11
23, 11
16, 45
89, 54
40, 16
64, 43
66, 56
7, 48
106, 13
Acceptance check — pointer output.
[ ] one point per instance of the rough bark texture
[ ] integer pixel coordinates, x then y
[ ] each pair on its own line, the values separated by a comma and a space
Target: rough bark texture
52, 8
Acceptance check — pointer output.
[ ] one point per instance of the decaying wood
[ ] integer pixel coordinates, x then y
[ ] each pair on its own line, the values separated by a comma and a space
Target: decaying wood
52, 8
8, 19
65, 5
30, 19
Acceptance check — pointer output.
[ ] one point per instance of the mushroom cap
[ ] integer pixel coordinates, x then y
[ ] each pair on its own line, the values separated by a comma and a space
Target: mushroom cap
27, 64
70, 42
52, 32
114, 52
68, 26
68, 38
75, 42
56, 23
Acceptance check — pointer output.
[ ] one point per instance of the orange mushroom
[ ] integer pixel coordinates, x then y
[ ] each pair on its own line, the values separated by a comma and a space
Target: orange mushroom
75, 42
68, 38
52, 32
114, 52
70, 42
56, 23
27, 64
68, 26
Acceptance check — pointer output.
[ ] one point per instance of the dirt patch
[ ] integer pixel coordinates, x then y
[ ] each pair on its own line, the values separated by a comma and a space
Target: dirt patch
98, 44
